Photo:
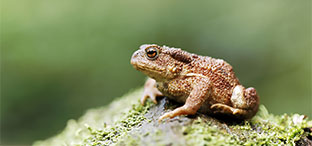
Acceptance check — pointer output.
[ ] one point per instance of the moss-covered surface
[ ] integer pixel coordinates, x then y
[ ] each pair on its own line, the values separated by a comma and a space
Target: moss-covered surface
126, 122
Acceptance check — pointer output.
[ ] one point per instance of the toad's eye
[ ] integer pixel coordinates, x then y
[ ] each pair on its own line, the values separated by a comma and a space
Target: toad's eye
151, 53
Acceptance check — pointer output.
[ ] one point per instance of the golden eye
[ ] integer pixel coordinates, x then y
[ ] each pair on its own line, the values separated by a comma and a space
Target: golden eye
151, 53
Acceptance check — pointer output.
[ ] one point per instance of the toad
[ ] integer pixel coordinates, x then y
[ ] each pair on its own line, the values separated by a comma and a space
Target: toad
201, 83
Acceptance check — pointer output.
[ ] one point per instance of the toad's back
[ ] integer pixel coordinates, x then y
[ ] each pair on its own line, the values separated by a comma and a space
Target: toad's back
220, 74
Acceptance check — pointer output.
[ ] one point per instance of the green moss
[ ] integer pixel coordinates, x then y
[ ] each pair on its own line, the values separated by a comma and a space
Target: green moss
263, 129
77, 131
111, 135
205, 133
126, 122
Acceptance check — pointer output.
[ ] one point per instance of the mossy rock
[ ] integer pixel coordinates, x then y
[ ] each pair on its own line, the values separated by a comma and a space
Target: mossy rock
126, 122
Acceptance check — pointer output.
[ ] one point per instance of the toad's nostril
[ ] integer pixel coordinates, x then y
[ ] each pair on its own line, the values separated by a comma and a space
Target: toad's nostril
135, 54
134, 57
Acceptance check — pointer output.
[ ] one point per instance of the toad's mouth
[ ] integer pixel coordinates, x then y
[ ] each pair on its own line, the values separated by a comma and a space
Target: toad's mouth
149, 70
145, 65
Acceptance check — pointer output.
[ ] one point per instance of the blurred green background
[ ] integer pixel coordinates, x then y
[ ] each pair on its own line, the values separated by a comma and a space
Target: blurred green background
59, 58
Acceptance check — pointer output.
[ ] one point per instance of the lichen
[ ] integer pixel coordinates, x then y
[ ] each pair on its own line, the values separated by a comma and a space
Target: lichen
126, 122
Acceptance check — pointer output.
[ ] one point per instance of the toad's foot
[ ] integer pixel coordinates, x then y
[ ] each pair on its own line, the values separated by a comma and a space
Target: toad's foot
184, 110
225, 109
150, 91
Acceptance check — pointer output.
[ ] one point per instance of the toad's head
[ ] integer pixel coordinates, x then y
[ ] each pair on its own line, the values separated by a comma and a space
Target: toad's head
160, 63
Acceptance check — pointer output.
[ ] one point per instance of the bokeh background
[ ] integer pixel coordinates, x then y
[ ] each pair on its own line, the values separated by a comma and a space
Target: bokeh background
59, 58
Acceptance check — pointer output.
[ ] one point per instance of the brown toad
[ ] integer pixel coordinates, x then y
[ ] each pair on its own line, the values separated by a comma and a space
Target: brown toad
201, 82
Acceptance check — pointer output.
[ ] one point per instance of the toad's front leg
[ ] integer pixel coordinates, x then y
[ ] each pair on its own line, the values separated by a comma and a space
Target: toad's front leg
197, 97
150, 91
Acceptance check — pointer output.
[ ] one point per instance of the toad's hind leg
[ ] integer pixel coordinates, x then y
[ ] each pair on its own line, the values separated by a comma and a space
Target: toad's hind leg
225, 109
245, 103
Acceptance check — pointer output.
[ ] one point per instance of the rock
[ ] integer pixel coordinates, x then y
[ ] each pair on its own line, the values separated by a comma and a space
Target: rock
126, 122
